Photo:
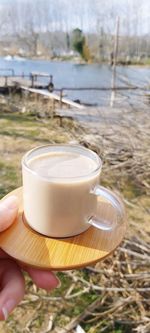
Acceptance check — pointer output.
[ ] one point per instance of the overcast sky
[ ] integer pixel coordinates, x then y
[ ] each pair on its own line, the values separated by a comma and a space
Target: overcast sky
84, 14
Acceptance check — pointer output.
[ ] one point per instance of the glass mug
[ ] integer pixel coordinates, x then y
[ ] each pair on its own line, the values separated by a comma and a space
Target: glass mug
64, 205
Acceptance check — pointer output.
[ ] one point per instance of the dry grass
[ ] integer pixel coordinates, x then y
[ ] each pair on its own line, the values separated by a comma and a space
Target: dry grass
112, 296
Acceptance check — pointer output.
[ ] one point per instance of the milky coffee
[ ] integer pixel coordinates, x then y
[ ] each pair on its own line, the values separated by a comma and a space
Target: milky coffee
56, 189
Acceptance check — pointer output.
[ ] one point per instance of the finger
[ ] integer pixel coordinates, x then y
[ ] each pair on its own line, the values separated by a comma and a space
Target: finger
8, 212
43, 279
12, 287
3, 255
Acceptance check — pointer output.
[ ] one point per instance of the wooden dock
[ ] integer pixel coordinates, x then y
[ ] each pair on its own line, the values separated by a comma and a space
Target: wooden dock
26, 80
31, 84
61, 100
11, 82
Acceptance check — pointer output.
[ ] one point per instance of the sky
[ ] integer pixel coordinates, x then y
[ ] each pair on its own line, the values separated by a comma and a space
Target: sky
137, 10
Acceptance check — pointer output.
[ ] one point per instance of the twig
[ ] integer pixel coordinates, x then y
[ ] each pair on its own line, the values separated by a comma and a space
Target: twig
79, 318
135, 254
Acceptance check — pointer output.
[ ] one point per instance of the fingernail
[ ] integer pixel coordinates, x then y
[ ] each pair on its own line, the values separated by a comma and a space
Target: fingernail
8, 307
11, 202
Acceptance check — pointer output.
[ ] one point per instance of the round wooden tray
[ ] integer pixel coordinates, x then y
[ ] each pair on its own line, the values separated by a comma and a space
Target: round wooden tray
29, 247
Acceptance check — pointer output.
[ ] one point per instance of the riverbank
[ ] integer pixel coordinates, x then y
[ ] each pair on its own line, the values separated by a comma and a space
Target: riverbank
112, 296
144, 62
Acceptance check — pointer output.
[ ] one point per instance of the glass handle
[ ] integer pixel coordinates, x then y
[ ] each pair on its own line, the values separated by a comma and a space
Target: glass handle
104, 222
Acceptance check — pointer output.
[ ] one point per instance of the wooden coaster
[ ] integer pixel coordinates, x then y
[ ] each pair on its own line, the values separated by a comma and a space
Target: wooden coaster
29, 247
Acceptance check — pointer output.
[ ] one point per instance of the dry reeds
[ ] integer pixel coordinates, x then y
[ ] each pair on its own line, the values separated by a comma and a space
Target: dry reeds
113, 296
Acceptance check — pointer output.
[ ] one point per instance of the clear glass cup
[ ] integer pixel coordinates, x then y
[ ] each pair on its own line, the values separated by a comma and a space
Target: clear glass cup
65, 206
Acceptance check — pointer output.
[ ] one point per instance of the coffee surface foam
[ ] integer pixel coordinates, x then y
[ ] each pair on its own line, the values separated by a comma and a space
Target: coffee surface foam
59, 164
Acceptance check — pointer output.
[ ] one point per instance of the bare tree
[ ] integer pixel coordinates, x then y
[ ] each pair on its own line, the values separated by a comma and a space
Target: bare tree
4, 20
50, 24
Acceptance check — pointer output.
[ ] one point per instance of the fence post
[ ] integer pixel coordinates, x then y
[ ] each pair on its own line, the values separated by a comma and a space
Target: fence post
115, 55
6, 80
32, 80
61, 96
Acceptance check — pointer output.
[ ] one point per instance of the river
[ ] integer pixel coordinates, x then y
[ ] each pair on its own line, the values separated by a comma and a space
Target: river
67, 74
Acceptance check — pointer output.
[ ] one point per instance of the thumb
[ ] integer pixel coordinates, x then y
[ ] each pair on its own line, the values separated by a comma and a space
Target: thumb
8, 211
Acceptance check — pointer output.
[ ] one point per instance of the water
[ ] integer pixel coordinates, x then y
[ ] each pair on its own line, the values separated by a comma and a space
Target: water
67, 74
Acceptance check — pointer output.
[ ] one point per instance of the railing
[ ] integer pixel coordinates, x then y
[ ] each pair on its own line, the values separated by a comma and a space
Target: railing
61, 90
31, 76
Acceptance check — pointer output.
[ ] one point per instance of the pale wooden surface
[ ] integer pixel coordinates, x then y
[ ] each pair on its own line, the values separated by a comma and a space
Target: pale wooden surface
29, 247
54, 96
12, 81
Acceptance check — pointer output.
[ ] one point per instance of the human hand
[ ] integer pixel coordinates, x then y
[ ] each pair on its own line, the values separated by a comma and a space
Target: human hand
12, 282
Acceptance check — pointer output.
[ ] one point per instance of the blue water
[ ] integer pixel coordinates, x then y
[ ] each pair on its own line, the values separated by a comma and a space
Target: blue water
67, 74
